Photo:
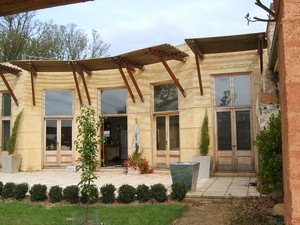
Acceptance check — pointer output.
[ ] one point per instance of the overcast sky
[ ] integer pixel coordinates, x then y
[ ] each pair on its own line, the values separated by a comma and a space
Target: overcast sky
129, 25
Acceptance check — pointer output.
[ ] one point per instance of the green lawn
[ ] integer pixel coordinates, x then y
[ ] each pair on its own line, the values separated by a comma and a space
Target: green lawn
18, 213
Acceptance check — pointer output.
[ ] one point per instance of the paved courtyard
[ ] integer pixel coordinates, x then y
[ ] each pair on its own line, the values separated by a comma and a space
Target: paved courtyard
214, 187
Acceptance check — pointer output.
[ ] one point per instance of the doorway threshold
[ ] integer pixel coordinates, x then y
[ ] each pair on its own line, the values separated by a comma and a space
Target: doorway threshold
233, 174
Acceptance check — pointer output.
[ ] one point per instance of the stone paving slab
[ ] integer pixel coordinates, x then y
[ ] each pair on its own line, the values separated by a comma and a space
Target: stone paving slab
221, 187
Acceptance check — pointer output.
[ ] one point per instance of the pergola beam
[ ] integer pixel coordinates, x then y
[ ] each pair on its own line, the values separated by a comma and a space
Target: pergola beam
76, 81
85, 87
126, 82
124, 61
134, 83
260, 50
8, 87
32, 73
84, 68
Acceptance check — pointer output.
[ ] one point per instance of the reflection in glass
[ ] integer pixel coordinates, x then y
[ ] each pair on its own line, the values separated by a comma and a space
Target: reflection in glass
241, 90
160, 133
222, 91
243, 130
66, 135
165, 97
58, 103
113, 101
51, 135
224, 130
5, 133
6, 104
174, 132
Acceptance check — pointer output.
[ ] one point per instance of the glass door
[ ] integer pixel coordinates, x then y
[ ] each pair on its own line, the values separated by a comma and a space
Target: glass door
233, 124
58, 142
167, 144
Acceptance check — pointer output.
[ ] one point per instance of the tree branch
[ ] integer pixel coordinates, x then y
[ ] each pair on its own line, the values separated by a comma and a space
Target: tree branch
263, 20
258, 3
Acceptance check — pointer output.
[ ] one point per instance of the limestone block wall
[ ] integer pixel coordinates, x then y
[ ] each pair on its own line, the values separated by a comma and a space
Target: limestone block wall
191, 108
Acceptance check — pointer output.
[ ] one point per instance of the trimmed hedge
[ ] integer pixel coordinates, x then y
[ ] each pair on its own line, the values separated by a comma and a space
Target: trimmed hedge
126, 193
159, 192
71, 194
143, 193
20, 191
108, 193
55, 194
38, 192
179, 190
94, 195
8, 190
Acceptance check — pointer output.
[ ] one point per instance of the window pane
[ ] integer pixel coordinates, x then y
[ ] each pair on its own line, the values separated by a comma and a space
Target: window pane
222, 91
113, 101
224, 130
160, 133
6, 104
51, 135
66, 135
58, 103
165, 97
243, 130
174, 133
5, 133
241, 90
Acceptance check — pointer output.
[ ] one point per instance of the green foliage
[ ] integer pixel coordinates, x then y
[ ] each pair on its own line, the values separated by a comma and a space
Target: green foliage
87, 145
143, 193
55, 194
1, 187
11, 143
71, 194
108, 193
38, 192
179, 190
8, 190
20, 191
94, 195
269, 145
126, 193
204, 142
158, 192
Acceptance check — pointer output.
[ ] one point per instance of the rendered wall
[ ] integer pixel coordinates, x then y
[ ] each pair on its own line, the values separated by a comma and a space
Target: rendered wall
191, 108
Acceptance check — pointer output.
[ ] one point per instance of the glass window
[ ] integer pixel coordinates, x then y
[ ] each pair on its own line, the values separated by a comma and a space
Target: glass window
5, 133
222, 90
66, 135
113, 101
51, 135
243, 136
224, 130
58, 103
6, 104
174, 132
165, 97
160, 133
241, 90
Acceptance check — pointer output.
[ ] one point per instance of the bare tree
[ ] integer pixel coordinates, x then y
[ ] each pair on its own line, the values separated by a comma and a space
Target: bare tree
272, 15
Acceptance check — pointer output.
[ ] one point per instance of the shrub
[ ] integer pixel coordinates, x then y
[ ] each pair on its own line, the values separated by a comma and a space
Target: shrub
55, 194
38, 192
179, 190
94, 195
108, 193
1, 187
268, 143
11, 143
126, 193
158, 192
20, 191
71, 194
8, 190
143, 193
204, 141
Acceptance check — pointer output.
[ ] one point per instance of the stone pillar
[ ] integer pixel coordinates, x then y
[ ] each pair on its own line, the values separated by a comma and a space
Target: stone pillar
288, 14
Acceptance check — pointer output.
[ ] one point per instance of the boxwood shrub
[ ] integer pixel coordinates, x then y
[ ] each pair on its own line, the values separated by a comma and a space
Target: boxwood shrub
126, 193
71, 194
108, 193
8, 190
55, 194
1, 187
38, 192
20, 191
93, 193
143, 193
158, 192
179, 190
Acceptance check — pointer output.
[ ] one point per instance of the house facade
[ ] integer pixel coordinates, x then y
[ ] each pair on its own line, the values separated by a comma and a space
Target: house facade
166, 90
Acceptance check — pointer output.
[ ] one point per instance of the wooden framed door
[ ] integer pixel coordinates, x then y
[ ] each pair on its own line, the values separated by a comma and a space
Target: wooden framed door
167, 141
233, 124
58, 149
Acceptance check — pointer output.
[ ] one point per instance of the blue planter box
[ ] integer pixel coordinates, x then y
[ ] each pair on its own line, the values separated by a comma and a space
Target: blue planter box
186, 172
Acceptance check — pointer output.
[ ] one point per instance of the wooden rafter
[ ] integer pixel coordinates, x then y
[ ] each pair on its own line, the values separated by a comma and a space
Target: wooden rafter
76, 81
8, 69
260, 50
124, 61
126, 82
85, 86
83, 68
32, 74
134, 83
8, 87
198, 54
164, 55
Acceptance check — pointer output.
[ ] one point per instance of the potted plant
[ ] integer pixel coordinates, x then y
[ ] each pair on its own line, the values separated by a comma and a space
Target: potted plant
11, 162
205, 161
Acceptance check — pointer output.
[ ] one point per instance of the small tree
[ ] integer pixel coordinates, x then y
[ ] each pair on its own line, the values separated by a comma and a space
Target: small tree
11, 144
204, 142
87, 145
